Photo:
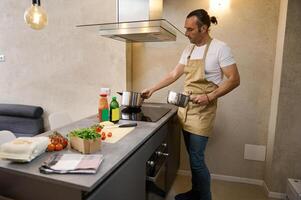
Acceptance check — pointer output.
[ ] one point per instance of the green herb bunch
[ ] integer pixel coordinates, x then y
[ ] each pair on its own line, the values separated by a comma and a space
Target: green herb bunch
85, 133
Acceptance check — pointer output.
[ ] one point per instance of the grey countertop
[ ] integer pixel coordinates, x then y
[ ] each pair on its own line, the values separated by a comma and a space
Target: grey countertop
114, 154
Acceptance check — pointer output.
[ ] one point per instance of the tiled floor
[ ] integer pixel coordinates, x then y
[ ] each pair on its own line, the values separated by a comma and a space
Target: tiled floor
222, 190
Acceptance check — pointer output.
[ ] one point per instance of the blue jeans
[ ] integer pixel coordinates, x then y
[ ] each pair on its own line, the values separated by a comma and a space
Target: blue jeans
196, 145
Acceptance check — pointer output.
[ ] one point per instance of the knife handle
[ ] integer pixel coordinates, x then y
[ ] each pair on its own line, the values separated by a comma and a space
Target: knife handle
128, 125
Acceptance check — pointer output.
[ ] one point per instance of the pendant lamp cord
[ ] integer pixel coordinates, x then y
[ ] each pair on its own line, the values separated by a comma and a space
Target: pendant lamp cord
36, 2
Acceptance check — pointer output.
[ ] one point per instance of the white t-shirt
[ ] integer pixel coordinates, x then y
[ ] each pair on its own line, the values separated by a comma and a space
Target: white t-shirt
218, 56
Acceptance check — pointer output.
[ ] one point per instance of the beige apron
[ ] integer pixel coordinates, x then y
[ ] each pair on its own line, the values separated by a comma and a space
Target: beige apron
195, 118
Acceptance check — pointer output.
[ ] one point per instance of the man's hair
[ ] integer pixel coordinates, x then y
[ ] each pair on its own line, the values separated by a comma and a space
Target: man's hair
203, 17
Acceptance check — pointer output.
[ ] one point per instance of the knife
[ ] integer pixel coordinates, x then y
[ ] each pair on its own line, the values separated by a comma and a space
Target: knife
122, 125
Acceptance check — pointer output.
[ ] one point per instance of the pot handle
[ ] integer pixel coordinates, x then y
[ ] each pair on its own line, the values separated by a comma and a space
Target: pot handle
120, 93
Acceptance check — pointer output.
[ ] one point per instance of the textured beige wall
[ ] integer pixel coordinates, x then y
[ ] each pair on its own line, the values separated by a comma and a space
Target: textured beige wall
275, 91
285, 162
61, 67
250, 28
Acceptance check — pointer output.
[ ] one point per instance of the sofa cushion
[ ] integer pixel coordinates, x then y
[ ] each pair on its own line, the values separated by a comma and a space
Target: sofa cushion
22, 125
19, 110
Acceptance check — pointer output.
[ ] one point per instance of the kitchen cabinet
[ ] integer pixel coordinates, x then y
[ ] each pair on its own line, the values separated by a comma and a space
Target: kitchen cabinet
174, 143
122, 175
128, 182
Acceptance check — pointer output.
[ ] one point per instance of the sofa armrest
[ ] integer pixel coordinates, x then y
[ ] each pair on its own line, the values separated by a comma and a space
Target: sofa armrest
18, 110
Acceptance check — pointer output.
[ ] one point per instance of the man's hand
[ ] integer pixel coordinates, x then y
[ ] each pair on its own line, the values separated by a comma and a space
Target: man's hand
201, 99
146, 93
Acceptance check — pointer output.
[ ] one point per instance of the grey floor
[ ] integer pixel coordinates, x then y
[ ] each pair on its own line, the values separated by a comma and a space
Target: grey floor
222, 190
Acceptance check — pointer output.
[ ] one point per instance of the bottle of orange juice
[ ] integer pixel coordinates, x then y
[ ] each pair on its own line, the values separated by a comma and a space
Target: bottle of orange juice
103, 108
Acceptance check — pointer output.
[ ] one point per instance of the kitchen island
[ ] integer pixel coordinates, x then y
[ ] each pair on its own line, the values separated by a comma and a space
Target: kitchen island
122, 174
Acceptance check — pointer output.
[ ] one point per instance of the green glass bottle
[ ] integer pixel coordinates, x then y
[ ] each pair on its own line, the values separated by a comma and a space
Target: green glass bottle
114, 110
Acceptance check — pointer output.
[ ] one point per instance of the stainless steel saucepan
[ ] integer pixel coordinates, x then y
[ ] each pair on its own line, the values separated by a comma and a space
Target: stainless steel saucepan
177, 99
131, 99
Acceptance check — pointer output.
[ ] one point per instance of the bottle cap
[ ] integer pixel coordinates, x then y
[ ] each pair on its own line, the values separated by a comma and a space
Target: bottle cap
106, 91
114, 98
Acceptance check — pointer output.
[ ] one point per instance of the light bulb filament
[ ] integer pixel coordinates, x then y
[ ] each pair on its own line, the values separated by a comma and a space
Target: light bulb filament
36, 18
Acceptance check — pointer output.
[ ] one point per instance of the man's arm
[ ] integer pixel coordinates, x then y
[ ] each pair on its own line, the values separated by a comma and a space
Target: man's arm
167, 80
233, 81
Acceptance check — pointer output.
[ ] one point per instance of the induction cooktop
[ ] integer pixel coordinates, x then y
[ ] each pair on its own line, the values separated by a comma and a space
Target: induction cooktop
144, 113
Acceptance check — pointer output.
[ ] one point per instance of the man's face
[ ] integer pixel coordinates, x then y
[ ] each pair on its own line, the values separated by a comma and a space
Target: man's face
193, 32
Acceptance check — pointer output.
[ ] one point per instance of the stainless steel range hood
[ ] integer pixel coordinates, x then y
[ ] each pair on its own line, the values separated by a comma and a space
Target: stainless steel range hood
138, 21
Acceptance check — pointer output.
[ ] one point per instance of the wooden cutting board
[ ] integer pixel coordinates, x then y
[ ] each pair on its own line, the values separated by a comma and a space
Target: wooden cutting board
117, 133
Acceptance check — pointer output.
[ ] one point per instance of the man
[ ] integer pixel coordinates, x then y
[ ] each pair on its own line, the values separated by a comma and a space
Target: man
204, 62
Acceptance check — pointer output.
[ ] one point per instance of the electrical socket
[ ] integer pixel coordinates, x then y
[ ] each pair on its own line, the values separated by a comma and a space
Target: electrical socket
2, 58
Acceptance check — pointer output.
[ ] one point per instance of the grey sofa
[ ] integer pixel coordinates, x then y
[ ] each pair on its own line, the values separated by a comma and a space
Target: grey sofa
22, 120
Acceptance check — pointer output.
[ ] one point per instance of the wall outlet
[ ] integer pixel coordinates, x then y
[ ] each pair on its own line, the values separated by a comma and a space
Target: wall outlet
2, 58
255, 152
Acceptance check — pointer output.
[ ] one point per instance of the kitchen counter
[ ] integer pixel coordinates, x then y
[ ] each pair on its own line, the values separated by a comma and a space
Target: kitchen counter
115, 155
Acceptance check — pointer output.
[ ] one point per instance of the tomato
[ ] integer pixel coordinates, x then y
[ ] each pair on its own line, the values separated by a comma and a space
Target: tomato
98, 129
103, 137
109, 134
58, 147
65, 142
103, 134
62, 140
50, 147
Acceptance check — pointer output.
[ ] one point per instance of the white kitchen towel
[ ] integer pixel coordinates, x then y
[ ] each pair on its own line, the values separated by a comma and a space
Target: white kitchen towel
23, 149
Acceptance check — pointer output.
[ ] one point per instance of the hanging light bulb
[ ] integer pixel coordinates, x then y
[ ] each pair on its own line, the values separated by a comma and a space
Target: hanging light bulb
36, 16
219, 5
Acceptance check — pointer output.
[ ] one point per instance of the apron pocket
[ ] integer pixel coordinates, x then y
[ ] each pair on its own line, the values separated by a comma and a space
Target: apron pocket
195, 109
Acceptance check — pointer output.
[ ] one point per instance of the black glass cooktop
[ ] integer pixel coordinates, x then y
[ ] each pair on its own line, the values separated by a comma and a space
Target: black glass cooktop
144, 113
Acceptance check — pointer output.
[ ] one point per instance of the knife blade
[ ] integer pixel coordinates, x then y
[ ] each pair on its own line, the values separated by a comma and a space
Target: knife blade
122, 125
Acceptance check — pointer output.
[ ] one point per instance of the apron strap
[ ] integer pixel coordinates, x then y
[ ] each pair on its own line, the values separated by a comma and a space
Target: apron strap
188, 57
206, 50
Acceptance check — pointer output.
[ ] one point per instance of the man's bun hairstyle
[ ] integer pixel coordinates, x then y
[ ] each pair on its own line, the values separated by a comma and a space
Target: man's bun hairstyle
213, 20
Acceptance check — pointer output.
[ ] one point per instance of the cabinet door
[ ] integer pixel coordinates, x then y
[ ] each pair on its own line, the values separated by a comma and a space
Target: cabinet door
173, 144
128, 182
22, 187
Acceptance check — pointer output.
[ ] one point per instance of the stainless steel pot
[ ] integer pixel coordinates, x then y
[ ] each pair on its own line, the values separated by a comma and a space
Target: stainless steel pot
177, 99
131, 99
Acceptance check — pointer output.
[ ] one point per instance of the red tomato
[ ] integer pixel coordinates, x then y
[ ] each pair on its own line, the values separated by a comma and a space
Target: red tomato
103, 134
109, 134
98, 129
50, 147
65, 143
103, 137
58, 147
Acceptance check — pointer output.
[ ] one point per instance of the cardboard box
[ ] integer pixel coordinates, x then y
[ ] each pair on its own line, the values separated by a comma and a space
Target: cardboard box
85, 146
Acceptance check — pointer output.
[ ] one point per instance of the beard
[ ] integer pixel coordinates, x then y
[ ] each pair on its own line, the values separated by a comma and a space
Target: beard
192, 41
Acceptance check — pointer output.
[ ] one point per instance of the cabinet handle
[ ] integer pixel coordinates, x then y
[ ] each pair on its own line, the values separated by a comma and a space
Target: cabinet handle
159, 153
150, 163
164, 144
